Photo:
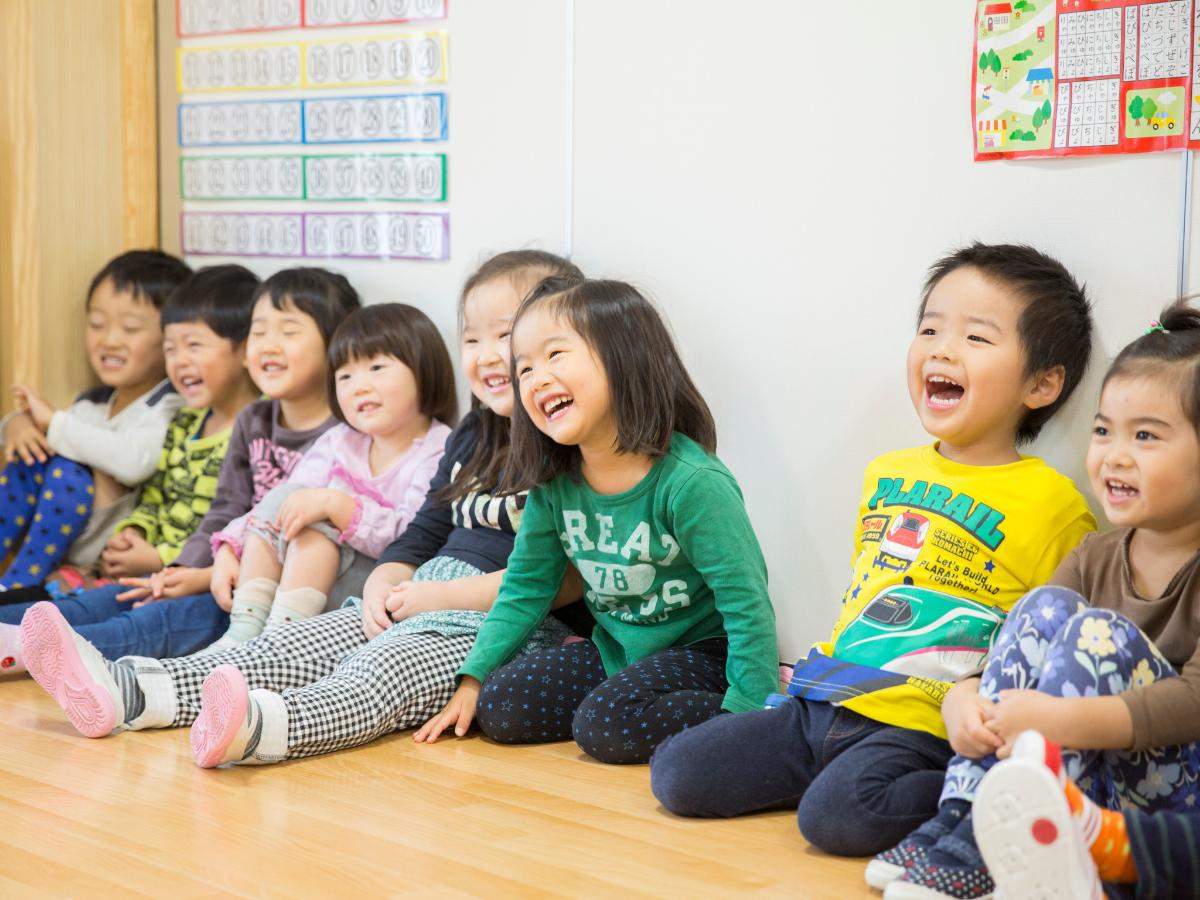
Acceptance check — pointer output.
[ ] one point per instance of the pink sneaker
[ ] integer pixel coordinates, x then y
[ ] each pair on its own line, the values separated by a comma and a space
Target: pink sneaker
71, 671
223, 728
1032, 843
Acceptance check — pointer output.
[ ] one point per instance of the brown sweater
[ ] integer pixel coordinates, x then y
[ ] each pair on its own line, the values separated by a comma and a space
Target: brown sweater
1167, 712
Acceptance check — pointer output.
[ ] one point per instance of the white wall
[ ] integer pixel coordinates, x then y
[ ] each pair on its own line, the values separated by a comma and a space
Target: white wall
777, 175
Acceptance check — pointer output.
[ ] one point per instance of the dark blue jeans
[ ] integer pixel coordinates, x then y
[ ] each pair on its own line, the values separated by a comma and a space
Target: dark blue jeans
859, 786
160, 630
1166, 849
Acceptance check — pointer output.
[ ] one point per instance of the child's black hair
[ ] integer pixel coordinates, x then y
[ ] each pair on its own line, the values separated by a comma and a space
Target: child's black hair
147, 274
222, 297
523, 269
1055, 324
407, 334
325, 297
653, 396
1172, 350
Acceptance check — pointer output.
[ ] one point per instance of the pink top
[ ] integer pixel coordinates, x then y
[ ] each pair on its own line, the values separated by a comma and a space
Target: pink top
384, 504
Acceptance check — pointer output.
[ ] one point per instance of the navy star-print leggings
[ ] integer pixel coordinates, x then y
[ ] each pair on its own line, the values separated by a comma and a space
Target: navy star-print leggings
564, 692
43, 508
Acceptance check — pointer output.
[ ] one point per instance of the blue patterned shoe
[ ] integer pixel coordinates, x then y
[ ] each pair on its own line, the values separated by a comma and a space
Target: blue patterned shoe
889, 865
952, 869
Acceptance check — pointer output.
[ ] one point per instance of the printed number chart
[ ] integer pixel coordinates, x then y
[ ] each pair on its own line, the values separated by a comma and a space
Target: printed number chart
1085, 77
287, 111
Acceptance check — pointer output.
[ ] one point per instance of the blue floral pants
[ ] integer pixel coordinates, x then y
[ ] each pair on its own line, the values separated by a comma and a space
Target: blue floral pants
1054, 642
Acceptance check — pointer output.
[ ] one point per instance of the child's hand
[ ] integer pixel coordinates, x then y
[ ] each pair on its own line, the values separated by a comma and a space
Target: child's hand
138, 558
224, 576
1023, 710
176, 581
29, 401
459, 712
375, 620
125, 538
25, 442
303, 508
408, 598
964, 715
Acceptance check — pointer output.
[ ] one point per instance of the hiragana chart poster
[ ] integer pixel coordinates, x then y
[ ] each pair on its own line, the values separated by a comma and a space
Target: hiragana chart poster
1084, 77
308, 129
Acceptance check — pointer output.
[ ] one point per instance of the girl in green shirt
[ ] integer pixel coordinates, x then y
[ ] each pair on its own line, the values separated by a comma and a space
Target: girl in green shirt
617, 445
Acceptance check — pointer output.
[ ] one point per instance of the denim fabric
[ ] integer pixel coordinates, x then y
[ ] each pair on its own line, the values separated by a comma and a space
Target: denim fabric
858, 786
84, 608
160, 630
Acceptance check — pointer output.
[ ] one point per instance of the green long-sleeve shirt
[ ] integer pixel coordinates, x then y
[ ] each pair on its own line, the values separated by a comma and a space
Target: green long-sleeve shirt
670, 562
177, 496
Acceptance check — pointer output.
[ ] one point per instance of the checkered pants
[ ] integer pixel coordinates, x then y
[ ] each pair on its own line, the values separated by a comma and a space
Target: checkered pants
340, 689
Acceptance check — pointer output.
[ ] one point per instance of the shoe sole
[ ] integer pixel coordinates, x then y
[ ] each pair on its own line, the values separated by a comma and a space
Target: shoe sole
880, 874
904, 890
55, 663
224, 700
1028, 836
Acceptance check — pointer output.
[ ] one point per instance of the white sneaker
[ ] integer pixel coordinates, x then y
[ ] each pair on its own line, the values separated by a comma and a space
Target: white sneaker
1033, 845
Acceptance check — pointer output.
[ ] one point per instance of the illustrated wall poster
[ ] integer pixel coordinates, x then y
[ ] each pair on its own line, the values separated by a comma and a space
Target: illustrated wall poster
1084, 77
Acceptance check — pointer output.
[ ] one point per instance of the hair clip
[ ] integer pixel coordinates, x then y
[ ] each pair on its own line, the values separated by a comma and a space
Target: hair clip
1156, 326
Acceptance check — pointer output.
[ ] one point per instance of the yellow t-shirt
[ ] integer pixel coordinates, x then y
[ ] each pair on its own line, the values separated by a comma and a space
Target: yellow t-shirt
942, 551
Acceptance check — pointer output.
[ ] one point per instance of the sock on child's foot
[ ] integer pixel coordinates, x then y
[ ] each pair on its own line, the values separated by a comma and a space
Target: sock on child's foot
10, 650
251, 608
295, 604
1106, 836
131, 692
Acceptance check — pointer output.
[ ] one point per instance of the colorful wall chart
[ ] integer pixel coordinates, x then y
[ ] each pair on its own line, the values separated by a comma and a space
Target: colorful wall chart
1084, 77
286, 169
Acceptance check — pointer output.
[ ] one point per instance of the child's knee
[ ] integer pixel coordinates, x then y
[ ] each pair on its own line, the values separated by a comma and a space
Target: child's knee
681, 779
497, 714
1050, 596
829, 818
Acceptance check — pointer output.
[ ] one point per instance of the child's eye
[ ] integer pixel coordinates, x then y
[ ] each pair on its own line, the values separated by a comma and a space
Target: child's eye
1145, 436
979, 339
1100, 431
522, 371
504, 335
470, 341
343, 376
927, 332
291, 334
375, 367
554, 353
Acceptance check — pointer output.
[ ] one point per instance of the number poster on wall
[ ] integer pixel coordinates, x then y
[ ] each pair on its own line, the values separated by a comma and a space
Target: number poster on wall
1084, 77
309, 128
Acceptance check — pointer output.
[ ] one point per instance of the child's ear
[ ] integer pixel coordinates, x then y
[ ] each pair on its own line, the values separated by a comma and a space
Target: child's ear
1045, 387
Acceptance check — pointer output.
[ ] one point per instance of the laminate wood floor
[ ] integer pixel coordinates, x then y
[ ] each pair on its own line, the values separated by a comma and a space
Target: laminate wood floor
132, 816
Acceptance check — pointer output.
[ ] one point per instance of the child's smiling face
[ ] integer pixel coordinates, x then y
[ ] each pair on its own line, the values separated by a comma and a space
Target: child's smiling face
966, 368
124, 338
285, 351
1144, 459
487, 321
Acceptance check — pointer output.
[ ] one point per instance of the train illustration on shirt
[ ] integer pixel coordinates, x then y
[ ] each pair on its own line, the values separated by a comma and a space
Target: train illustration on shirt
920, 632
902, 542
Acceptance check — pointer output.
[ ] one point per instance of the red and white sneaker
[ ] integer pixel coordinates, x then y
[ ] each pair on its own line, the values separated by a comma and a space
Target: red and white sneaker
1033, 845
71, 670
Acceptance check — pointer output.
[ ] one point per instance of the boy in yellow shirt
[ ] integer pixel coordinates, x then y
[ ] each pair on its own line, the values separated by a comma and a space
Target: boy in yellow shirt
949, 536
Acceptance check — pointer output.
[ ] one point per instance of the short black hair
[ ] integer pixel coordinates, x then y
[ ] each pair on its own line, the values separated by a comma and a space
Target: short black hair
523, 269
325, 297
222, 297
147, 274
1055, 324
407, 334
653, 396
1171, 351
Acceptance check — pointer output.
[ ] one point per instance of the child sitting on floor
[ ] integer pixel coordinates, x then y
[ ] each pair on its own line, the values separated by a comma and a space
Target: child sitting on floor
205, 323
1091, 659
948, 538
71, 472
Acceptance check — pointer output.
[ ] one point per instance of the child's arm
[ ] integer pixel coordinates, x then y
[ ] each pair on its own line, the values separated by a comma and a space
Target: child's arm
964, 712
373, 524
23, 440
531, 582
475, 592
1083, 723
129, 454
715, 534
171, 582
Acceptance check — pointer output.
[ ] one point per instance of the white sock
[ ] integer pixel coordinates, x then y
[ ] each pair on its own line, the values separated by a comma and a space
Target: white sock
295, 604
11, 659
251, 607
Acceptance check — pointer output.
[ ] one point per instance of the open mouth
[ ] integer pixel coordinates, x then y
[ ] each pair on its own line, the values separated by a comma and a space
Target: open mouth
111, 361
272, 367
1119, 491
555, 406
942, 392
496, 383
191, 382
367, 407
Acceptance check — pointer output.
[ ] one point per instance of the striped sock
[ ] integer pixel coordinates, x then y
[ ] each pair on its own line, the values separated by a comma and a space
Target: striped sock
126, 679
1106, 837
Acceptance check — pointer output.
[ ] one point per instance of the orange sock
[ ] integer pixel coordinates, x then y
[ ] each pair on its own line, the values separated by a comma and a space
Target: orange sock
1104, 830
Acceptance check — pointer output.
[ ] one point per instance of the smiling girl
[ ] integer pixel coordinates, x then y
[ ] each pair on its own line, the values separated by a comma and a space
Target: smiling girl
618, 445
392, 386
